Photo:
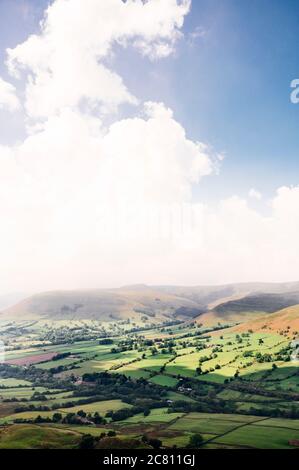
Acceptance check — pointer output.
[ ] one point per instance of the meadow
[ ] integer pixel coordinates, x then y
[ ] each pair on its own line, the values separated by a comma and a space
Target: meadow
234, 389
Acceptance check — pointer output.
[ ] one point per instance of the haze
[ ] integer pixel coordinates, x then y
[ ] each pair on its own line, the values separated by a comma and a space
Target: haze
104, 179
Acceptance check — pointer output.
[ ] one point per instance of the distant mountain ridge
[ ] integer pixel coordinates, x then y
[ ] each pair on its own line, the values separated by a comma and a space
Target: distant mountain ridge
233, 303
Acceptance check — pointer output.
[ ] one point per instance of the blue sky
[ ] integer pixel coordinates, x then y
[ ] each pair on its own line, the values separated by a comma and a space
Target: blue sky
229, 87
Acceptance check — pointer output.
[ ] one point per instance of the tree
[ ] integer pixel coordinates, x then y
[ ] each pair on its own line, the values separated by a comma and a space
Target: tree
195, 441
155, 443
146, 412
97, 419
87, 442
38, 419
81, 413
105, 341
57, 417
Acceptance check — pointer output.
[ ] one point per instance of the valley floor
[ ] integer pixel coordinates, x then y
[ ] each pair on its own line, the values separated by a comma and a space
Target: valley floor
178, 385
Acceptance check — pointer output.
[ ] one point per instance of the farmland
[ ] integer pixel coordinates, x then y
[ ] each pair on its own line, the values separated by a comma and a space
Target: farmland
236, 388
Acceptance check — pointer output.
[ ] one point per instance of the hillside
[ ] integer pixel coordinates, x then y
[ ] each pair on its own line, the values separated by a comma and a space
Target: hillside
104, 305
241, 309
284, 321
211, 296
209, 305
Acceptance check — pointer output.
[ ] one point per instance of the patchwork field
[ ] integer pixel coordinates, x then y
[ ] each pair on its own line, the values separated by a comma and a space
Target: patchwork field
230, 389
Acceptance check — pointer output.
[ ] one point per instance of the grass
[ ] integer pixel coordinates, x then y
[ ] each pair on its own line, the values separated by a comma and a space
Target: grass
28, 415
20, 392
174, 396
208, 425
256, 437
164, 380
280, 423
221, 430
53, 364
37, 437
102, 407
13, 383
93, 430
159, 415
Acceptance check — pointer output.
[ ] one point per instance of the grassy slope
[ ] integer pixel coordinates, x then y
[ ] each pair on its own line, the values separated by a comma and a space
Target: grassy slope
37, 437
278, 321
104, 305
248, 308
131, 301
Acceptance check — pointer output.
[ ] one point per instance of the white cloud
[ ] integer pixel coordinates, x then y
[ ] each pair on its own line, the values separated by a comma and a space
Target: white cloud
65, 61
8, 97
255, 194
85, 205
73, 186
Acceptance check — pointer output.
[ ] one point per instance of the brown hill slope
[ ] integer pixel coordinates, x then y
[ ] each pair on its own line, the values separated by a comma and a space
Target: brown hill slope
103, 305
284, 321
249, 307
233, 303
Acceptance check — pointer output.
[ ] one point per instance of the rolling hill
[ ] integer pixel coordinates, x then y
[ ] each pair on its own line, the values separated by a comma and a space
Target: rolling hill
284, 321
104, 305
235, 303
240, 309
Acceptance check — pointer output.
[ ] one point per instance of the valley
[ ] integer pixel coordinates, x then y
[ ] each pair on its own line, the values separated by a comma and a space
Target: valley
174, 367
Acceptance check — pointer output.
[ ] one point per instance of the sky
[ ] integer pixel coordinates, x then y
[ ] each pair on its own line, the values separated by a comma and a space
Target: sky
147, 142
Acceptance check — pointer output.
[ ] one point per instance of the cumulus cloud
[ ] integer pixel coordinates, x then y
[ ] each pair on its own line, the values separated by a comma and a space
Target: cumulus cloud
66, 60
74, 184
84, 204
8, 97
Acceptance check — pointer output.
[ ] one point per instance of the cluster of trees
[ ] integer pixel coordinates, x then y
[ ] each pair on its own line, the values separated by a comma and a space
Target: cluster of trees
208, 405
107, 441
111, 386
125, 413
56, 406
105, 341
68, 335
61, 356
291, 413
152, 442
79, 418
39, 377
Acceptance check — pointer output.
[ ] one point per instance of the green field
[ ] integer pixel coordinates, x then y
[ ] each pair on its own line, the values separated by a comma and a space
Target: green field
13, 383
160, 415
36, 437
164, 380
235, 390
101, 407
256, 437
